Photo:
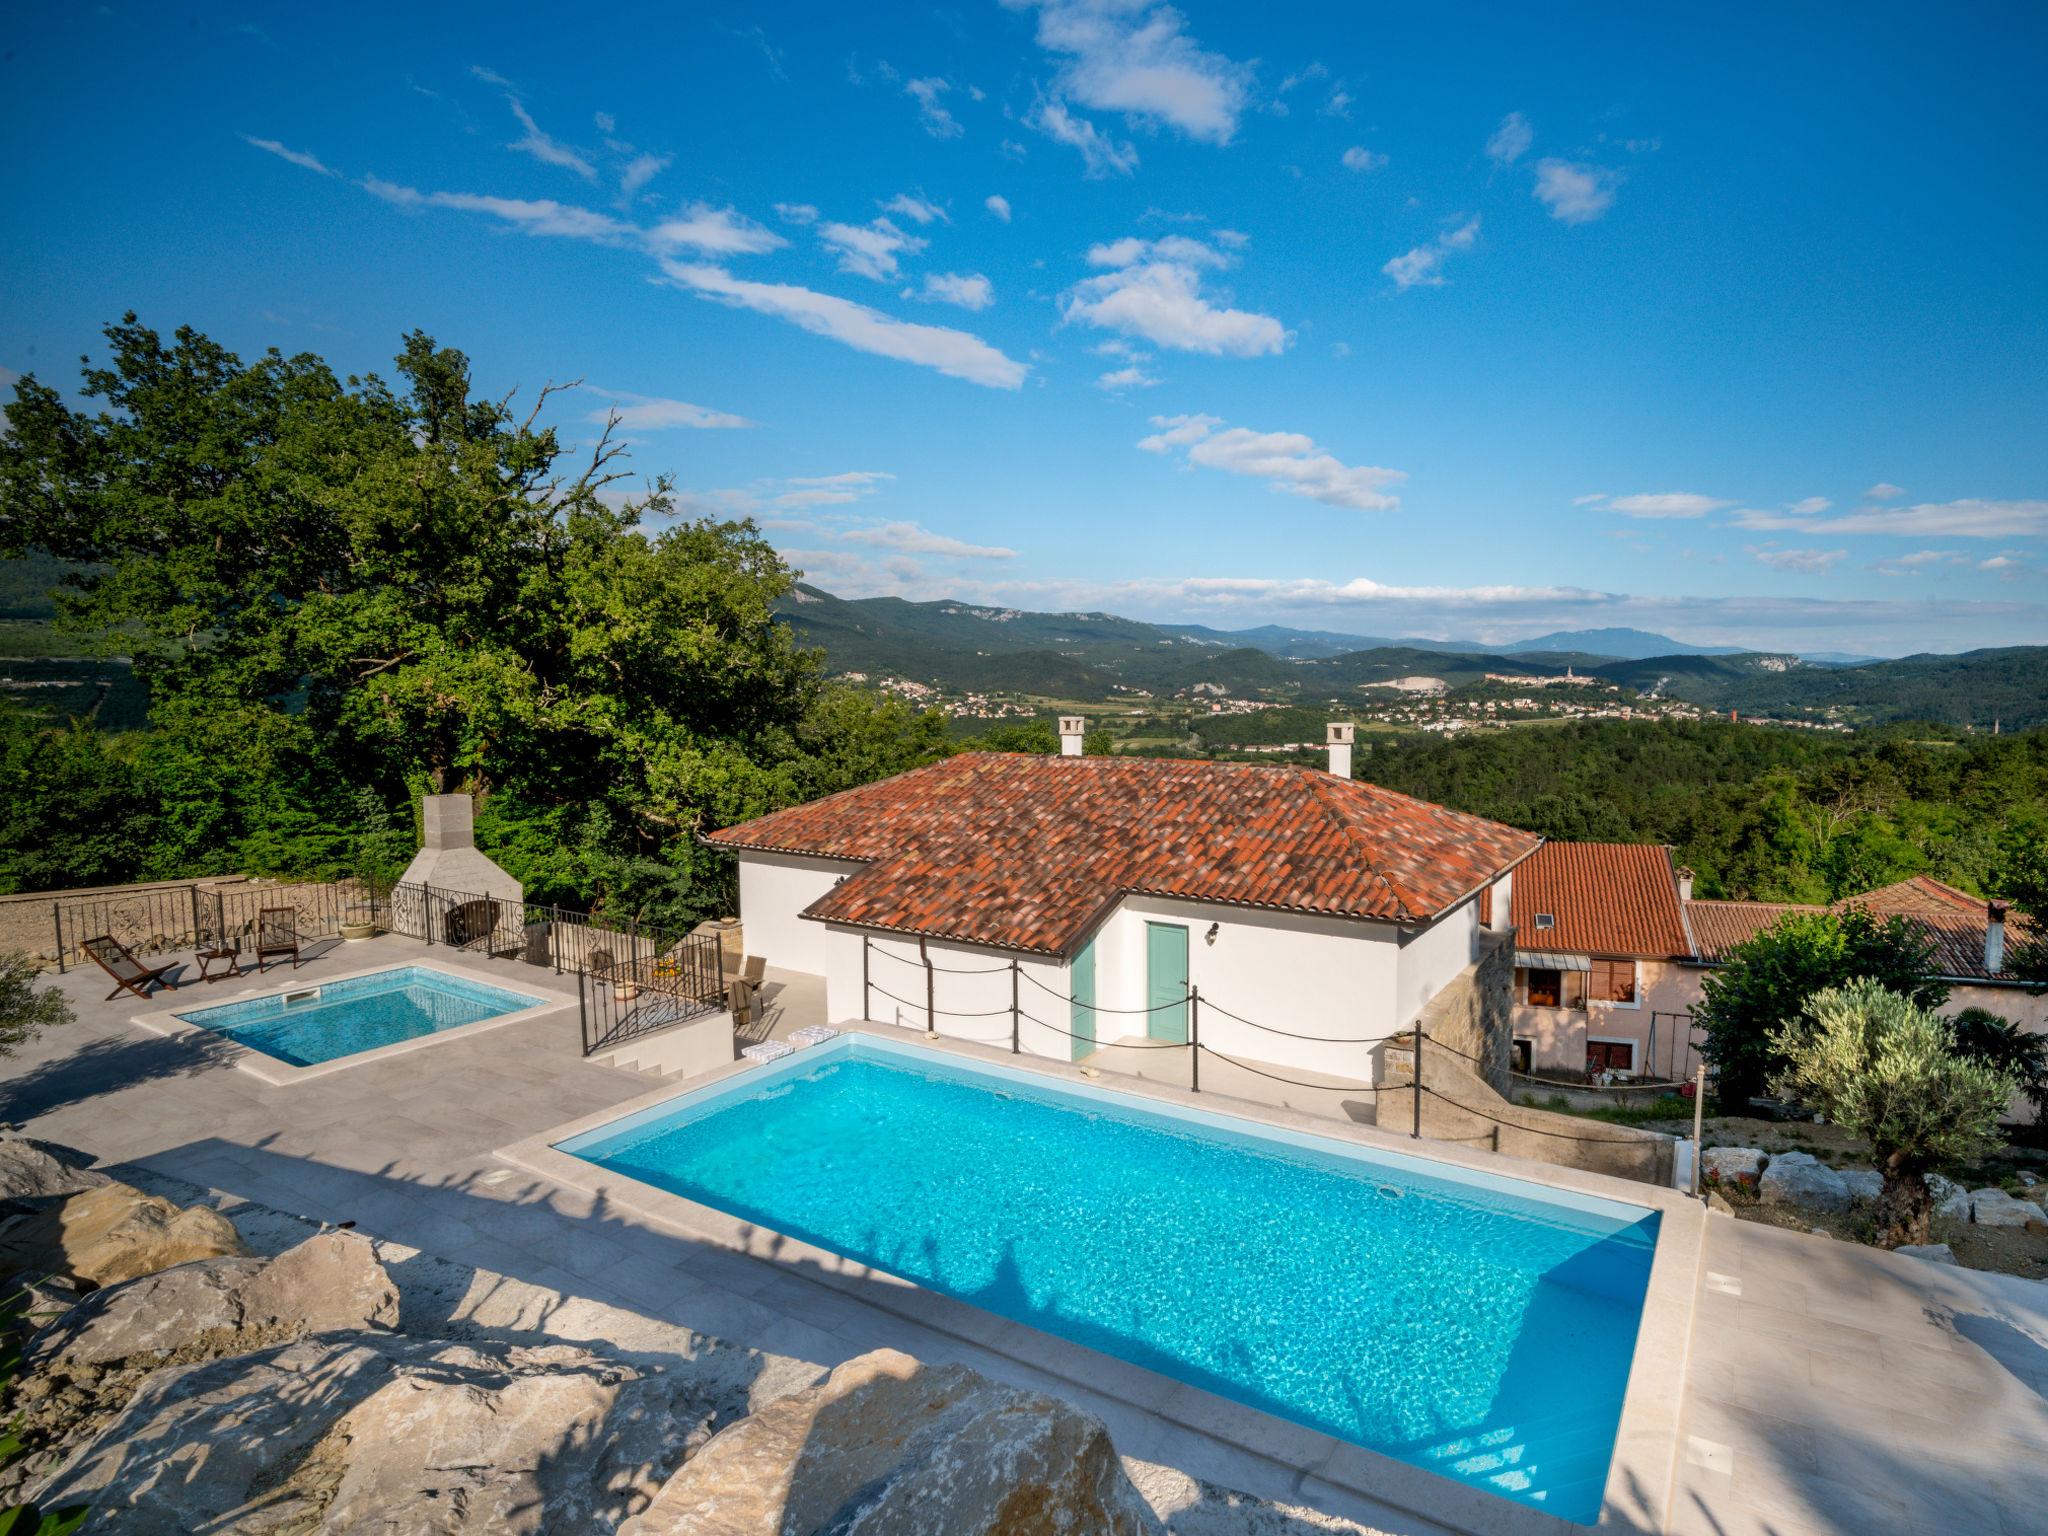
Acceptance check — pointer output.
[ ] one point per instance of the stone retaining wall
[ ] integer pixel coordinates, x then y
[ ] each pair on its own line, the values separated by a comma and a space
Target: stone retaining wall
166, 916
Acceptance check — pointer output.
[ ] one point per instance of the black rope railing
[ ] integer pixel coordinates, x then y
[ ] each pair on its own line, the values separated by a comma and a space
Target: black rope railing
1410, 1041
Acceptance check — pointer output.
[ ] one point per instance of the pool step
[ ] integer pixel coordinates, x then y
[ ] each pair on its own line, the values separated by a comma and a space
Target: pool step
682, 1050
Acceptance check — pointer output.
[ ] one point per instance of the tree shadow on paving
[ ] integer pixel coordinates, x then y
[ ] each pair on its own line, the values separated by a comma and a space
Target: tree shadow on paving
103, 1066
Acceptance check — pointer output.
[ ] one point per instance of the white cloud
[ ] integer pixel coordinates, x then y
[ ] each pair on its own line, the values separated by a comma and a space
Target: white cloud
715, 232
1809, 506
1574, 194
1970, 518
1511, 140
797, 213
870, 250
545, 149
998, 205
639, 171
1288, 462
1359, 158
1593, 500
938, 122
1808, 562
1999, 563
1421, 267
912, 539
1133, 376
1884, 490
1660, 504
1132, 57
1100, 154
1156, 292
298, 157
651, 413
915, 208
954, 353
969, 290
1338, 105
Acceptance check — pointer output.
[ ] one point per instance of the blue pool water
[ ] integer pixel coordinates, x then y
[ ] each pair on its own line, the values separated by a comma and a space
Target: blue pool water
1478, 1326
359, 1013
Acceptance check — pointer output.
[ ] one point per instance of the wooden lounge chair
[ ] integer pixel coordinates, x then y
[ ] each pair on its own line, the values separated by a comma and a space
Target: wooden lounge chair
743, 989
129, 973
277, 933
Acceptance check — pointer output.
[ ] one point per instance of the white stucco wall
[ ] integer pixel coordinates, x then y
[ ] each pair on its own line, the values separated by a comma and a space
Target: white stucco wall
774, 888
1432, 957
970, 990
1503, 903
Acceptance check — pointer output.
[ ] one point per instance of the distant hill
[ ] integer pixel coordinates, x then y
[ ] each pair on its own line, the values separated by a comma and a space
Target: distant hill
1621, 644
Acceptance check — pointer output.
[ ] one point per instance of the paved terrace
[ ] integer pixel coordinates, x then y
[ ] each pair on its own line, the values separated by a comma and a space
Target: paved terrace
1830, 1388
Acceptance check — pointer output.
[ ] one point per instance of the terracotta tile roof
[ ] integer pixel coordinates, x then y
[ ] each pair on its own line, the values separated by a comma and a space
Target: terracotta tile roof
1607, 898
1954, 920
1027, 852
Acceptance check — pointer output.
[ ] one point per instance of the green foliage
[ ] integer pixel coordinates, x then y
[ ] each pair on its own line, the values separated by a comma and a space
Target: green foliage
1768, 982
341, 594
2020, 875
1887, 1069
2006, 1047
24, 1011
1025, 736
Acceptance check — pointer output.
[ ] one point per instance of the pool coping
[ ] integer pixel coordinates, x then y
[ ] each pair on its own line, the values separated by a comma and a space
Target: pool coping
1642, 1473
282, 1074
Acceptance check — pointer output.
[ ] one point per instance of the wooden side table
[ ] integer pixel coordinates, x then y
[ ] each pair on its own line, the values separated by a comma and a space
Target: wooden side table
209, 958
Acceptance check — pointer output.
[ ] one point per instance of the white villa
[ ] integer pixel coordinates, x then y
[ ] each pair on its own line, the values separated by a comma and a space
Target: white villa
1098, 895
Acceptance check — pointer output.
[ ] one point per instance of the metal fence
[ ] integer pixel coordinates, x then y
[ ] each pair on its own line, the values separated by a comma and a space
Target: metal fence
160, 919
632, 998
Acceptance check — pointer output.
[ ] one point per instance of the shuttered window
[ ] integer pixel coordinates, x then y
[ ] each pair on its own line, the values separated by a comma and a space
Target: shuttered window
1612, 981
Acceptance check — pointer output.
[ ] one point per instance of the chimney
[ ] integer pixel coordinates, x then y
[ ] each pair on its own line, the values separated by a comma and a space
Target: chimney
1994, 937
1339, 737
1072, 729
1684, 883
448, 822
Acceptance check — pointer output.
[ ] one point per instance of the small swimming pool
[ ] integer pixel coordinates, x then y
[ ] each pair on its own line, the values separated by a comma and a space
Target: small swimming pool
1479, 1326
308, 1025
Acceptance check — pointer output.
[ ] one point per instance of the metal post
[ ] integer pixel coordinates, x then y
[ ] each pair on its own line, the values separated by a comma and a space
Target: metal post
864, 978
1195, 1039
57, 912
1699, 1115
1014, 1017
1416, 1132
427, 913
582, 1013
931, 1015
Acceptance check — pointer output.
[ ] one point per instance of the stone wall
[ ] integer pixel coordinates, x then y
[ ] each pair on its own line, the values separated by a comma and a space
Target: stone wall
166, 916
1474, 1016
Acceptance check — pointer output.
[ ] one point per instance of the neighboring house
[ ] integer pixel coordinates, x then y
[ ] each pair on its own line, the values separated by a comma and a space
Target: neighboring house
1598, 934
1612, 946
1287, 896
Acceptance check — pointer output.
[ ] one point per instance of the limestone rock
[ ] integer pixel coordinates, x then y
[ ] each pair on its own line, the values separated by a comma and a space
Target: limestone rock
1801, 1182
1950, 1198
1865, 1184
382, 1433
32, 1169
329, 1283
887, 1446
1995, 1208
1734, 1165
1933, 1253
114, 1232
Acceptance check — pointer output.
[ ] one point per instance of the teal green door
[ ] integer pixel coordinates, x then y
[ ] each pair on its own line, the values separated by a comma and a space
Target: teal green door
1166, 982
1083, 1011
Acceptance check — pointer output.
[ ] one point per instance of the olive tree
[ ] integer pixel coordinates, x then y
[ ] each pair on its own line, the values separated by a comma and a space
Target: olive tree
1884, 1068
25, 1012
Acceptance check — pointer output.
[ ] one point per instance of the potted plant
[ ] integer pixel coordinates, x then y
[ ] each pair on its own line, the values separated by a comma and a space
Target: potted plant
379, 845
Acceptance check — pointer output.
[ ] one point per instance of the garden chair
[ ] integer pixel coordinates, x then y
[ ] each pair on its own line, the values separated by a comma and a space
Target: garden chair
129, 973
743, 989
277, 933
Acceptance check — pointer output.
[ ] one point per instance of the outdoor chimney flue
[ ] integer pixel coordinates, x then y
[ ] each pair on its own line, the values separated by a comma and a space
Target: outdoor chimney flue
1339, 736
1994, 937
1684, 883
1072, 729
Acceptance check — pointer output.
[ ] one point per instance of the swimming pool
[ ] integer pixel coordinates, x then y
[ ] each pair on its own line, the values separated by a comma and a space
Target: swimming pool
1479, 1326
306, 1026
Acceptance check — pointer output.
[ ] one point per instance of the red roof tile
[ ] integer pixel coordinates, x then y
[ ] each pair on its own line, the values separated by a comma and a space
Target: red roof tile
1028, 852
1607, 899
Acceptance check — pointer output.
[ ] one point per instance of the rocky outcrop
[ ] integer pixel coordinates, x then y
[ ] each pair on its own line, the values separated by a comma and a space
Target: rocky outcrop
1733, 1165
35, 1170
887, 1446
1800, 1181
1933, 1253
113, 1232
1864, 1184
1996, 1208
369, 1432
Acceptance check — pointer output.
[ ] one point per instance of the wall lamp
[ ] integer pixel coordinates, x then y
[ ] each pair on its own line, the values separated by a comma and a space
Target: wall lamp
1210, 936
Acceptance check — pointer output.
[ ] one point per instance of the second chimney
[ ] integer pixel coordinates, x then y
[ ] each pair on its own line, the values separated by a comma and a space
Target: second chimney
1339, 737
1994, 937
1072, 729
1684, 883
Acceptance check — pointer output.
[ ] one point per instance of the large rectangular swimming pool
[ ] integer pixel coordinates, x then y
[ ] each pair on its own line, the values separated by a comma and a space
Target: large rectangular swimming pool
325, 1022
1479, 1326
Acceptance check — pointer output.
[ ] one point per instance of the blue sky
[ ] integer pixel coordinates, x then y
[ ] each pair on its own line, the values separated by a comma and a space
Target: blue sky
1475, 321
